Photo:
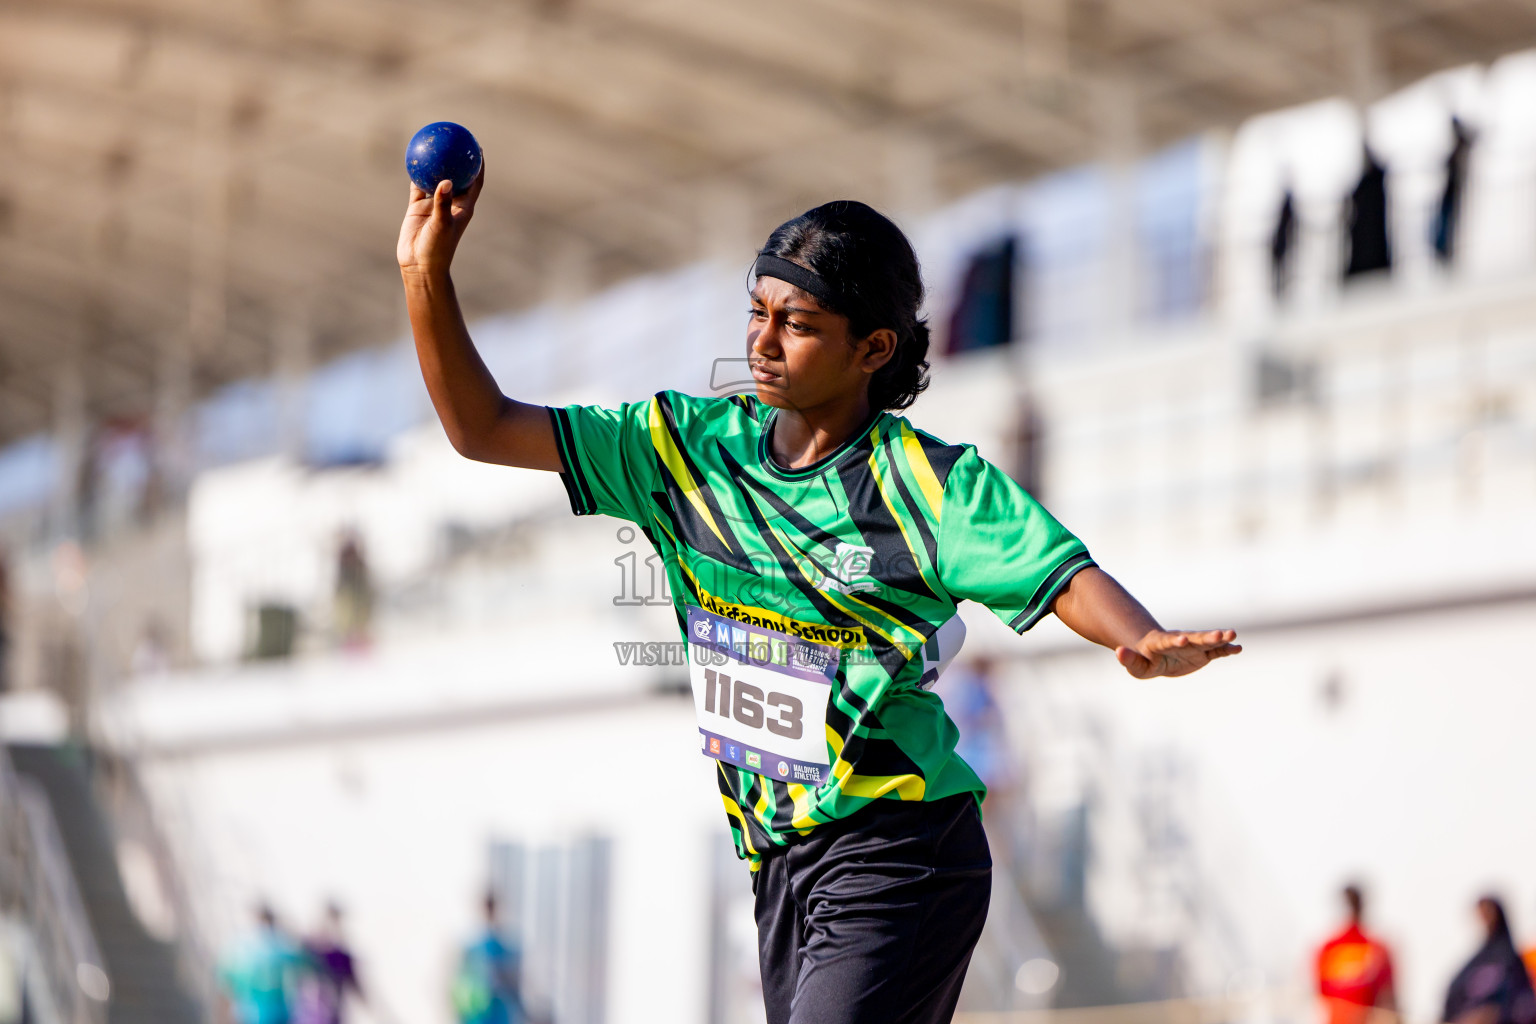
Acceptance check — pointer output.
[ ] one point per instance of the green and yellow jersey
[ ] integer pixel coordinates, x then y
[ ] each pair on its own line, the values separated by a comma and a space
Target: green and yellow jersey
870, 550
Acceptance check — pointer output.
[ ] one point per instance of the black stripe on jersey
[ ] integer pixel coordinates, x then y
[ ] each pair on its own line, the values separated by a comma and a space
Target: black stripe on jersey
724, 779
747, 801
783, 816
782, 508
837, 718
748, 796
747, 406
1040, 605
878, 756
899, 612
662, 509
693, 530
574, 477
815, 533
878, 527
942, 457
834, 615
930, 542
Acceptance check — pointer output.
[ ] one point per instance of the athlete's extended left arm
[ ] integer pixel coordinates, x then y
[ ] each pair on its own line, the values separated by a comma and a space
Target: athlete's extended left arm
1099, 609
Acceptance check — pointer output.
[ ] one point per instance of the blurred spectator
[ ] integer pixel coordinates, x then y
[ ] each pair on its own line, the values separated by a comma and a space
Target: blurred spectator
261, 976
1529, 957
354, 593
1449, 213
1281, 245
970, 700
1354, 970
332, 974
486, 989
1365, 218
1493, 988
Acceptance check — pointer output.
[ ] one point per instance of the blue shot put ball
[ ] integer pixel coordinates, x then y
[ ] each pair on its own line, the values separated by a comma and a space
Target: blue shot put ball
443, 150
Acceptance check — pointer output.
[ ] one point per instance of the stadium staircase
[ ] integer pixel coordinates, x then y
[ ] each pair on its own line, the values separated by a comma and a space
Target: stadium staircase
142, 970
1093, 971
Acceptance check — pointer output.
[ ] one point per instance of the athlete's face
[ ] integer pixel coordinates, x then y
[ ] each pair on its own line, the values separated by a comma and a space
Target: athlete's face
802, 355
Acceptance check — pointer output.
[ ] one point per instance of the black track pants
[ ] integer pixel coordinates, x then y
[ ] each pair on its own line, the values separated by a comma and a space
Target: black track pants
872, 920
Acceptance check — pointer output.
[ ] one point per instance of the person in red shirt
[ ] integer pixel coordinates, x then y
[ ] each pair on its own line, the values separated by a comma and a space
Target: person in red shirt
1528, 957
1354, 971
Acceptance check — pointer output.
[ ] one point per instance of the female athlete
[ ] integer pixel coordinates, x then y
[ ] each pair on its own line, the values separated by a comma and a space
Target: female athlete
817, 545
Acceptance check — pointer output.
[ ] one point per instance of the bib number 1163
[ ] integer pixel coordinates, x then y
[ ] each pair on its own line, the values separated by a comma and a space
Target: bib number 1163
747, 704
761, 697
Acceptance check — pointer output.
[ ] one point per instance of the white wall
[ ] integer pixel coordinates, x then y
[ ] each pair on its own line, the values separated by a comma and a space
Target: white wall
396, 825
1416, 782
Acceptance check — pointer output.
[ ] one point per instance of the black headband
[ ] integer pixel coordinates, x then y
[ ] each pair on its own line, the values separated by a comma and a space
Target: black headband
807, 281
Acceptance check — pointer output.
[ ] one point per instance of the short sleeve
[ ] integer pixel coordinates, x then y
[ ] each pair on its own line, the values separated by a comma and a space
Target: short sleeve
999, 547
608, 456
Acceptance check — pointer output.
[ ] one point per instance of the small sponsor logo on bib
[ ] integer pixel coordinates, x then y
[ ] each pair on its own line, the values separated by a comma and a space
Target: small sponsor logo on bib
714, 745
783, 767
701, 629
754, 759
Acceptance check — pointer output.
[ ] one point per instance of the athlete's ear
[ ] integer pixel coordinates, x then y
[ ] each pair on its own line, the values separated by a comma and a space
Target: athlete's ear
879, 347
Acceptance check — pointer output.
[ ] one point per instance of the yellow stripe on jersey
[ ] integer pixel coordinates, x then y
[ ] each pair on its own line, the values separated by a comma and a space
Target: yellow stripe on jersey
922, 471
673, 459
907, 787
906, 651
890, 505
733, 809
802, 819
763, 811
885, 496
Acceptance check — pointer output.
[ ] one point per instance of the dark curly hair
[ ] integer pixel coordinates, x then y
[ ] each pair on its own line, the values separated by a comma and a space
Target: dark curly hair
866, 259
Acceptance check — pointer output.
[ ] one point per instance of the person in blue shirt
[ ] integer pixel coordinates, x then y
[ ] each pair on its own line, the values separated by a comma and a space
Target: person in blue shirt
486, 989
261, 975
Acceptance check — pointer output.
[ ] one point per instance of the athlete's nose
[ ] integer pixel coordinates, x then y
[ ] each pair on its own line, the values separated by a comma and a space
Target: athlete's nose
764, 341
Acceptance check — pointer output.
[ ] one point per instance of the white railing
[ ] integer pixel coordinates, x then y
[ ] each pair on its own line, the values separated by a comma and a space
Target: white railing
37, 887
1395, 407
133, 814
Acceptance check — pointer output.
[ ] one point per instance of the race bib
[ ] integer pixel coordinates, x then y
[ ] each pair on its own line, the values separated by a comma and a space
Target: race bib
761, 697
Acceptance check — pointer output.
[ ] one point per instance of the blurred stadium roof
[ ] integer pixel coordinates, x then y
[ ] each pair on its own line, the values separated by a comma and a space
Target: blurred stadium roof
194, 191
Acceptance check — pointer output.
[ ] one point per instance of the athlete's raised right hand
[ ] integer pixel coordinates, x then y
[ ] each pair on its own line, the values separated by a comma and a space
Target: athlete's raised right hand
434, 223
481, 423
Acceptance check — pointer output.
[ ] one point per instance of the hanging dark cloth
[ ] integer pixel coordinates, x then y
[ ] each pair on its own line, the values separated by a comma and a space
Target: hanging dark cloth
983, 318
1449, 214
1281, 245
1494, 977
1366, 221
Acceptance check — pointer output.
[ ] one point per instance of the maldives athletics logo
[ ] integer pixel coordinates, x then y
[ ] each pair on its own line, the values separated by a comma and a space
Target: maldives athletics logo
784, 768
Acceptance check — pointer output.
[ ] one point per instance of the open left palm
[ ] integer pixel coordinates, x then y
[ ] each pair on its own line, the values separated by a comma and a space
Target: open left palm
1176, 652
